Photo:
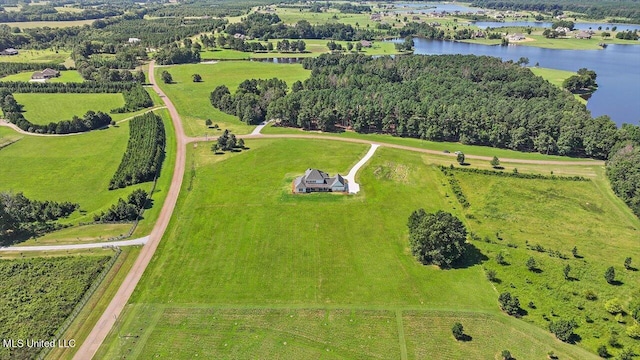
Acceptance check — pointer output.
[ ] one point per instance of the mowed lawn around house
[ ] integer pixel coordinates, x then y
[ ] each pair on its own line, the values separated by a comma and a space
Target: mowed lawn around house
247, 269
192, 99
65, 76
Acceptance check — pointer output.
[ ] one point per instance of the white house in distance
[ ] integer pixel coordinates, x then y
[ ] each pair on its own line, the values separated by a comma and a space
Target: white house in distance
315, 180
134, 40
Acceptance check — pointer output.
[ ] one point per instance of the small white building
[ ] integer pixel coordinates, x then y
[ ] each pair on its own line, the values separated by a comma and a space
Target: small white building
134, 40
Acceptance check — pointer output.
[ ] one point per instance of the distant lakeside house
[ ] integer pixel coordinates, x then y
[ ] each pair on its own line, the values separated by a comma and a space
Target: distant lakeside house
44, 75
9, 52
583, 35
315, 180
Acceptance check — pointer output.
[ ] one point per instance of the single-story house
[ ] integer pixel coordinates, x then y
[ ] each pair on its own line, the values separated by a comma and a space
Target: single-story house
315, 180
45, 74
479, 34
239, 36
134, 40
516, 37
9, 52
365, 43
583, 35
562, 29
375, 17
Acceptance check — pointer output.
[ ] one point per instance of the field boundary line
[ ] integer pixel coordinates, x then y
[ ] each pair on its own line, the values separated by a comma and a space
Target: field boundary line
403, 343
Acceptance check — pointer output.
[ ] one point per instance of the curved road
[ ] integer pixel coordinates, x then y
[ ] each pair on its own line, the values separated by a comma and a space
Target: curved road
91, 344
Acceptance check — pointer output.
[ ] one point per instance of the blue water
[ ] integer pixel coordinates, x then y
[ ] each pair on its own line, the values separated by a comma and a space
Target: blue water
617, 66
579, 26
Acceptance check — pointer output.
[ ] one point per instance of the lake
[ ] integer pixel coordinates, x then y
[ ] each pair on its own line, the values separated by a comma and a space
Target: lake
578, 26
617, 66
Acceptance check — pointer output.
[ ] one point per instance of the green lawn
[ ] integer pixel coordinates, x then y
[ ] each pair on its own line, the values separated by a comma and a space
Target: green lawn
65, 76
45, 108
556, 77
37, 56
424, 144
250, 270
192, 99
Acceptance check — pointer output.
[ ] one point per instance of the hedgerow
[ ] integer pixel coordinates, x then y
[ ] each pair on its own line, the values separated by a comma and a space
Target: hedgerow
145, 152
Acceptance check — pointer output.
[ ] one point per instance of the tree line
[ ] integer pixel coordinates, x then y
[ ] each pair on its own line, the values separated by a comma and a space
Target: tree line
143, 157
49, 13
86, 87
135, 99
593, 9
471, 99
124, 210
250, 100
174, 54
21, 216
9, 68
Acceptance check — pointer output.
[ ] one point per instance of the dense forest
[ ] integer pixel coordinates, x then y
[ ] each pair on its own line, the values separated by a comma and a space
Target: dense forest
21, 216
49, 13
145, 152
595, 9
623, 167
471, 99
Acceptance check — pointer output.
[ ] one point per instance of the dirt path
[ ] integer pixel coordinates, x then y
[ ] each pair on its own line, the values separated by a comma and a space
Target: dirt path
132, 242
6, 123
90, 346
354, 187
408, 148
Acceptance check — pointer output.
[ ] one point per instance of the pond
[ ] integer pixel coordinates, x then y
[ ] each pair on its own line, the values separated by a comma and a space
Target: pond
617, 66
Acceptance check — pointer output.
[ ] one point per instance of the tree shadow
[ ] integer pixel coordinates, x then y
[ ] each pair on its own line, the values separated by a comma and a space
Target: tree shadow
472, 256
465, 338
574, 339
496, 280
536, 270
571, 278
631, 268
148, 204
465, 164
499, 167
16, 237
616, 283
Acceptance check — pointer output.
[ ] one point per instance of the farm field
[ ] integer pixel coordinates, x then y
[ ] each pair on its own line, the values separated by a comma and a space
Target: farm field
51, 286
51, 24
65, 76
36, 56
45, 108
192, 99
34, 165
287, 274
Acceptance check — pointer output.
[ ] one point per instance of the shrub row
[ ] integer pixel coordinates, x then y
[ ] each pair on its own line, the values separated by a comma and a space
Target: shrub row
455, 187
145, 152
515, 174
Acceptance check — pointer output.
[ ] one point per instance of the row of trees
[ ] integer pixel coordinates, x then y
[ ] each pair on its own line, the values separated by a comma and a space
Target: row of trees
174, 54
135, 99
86, 87
227, 142
471, 99
250, 100
143, 157
8, 68
20, 215
128, 210
49, 13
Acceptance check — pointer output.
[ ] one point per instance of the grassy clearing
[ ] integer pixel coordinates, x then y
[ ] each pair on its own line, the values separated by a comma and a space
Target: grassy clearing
38, 294
67, 168
556, 77
290, 278
424, 144
65, 76
557, 215
314, 47
91, 312
51, 24
45, 108
59, 56
192, 99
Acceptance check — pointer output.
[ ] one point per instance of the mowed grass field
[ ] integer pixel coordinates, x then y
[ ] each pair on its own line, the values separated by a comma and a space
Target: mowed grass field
78, 168
58, 56
192, 99
65, 76
45, 108
51, 24
249, 270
